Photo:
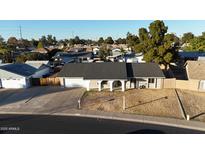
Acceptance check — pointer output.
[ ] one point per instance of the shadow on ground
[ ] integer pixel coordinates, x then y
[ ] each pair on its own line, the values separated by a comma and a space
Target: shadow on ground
9, 96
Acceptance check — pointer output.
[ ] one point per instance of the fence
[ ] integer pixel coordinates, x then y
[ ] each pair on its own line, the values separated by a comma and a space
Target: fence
187, 84
46, 81
169, 83
181, 84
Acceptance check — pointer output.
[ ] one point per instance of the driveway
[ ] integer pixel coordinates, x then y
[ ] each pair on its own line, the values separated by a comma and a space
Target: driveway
46, 99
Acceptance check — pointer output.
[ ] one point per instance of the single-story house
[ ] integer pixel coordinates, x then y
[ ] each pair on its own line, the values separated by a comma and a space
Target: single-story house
41, 50
190, 55
42, 66
196, 74
201, 58
77, 49
64, 57
20, 75
115, 55
111, 75
132, 58
16, 75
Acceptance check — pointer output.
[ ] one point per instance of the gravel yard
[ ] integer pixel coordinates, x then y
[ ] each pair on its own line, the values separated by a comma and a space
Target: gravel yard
161, 102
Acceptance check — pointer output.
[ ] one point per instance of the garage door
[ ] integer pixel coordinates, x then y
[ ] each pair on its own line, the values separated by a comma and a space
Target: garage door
76, 83
13, 83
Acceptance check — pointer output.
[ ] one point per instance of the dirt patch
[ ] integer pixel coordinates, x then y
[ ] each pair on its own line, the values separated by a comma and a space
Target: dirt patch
194, 104
138, 101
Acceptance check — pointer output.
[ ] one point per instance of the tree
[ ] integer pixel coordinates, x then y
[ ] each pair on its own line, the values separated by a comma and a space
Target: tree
77, 40
109, 40
43, 40
51, 40
71, 42
187, 37
12, 42
34, 42
101, 41
157, 45
5, 52
196, 44
120, 41
24, 43
104, 52
40, 45
31, 56
131, 40
1, 40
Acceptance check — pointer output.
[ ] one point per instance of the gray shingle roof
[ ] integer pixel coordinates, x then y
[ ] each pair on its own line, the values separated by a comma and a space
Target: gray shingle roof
196, 69
110, 70
20, 69
95, 70
143, 70
37, 63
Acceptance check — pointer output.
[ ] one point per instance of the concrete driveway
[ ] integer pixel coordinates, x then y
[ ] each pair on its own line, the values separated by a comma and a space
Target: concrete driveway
46, 99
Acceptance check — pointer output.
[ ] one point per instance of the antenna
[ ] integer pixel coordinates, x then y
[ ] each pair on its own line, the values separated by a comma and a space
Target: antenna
20, 32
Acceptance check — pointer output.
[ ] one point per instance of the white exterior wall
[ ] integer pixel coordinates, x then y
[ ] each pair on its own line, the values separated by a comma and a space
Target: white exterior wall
15, 83
76, 82
11, 80
158, 83
202, 85
144, 83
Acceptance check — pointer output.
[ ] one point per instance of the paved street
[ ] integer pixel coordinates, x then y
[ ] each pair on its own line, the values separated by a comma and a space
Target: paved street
78, 125
39, 99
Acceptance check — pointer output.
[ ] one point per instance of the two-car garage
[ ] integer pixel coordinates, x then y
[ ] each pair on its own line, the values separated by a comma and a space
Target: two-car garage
75, 82
14, 83
15, 75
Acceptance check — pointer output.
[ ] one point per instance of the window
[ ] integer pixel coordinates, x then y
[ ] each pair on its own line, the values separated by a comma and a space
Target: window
151, 80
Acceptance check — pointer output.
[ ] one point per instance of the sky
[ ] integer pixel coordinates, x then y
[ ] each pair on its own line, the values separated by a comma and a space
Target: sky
90, 29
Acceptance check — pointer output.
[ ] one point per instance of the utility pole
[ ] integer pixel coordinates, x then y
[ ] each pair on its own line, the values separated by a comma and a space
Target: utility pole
20, 32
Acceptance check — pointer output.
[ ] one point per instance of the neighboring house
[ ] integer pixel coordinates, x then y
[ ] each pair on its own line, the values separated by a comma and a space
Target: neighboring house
96, 51
201, 58
16, 75
41, 50
111, 75
132, 58
115, 55
63, 57
196, 74
116, 52
42, 66
77, 49
188, 55
20, 75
